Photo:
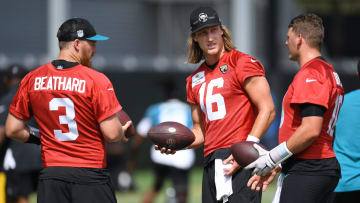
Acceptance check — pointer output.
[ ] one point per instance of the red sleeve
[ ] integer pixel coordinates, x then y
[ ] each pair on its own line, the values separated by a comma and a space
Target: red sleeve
247, 67
20, 105
311, 86
105, 101
189, 93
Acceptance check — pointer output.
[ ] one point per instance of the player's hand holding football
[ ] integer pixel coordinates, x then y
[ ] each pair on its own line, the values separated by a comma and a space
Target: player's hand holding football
269, 159
171, 136
125, 128
165, 150
264, 164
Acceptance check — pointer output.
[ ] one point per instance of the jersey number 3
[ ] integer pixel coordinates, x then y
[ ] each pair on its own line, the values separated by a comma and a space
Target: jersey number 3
68, 119
211, 99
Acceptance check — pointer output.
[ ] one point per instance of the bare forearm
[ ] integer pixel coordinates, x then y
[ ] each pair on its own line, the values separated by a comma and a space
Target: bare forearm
112, 129
16, 129
198, 128
21, 135
262, 122
259, 93
305, 134
301, 139
199, 138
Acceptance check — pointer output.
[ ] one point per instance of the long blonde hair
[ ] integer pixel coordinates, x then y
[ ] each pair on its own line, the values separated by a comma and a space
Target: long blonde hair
195, 54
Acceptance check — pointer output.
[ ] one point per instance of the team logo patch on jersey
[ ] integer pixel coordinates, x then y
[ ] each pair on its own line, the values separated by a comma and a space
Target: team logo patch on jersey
224, 68
198, 78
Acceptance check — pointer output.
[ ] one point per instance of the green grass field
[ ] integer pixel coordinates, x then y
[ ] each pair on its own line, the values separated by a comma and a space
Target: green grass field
144, 179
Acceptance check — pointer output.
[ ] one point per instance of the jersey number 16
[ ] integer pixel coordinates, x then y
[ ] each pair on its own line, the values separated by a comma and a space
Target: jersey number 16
210, 99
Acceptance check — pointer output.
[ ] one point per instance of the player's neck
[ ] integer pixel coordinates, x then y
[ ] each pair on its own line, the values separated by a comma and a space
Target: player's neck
307, 55
68, 56
214, 58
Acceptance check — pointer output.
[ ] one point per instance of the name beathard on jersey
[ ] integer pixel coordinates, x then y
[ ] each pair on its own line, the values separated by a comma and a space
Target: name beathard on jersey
59, 83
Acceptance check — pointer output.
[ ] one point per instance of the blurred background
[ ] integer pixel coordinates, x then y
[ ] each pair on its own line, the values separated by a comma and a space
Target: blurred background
148, 43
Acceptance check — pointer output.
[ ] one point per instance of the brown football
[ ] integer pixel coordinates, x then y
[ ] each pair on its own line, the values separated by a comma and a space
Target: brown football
244, 152
124, 117
171, 135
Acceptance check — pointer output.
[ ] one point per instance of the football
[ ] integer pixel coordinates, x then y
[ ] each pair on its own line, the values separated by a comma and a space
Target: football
171, 135
124, 117
245, 153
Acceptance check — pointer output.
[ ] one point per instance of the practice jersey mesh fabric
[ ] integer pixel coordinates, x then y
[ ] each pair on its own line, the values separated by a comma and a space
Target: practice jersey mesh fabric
227, 112
68, 105
316, 83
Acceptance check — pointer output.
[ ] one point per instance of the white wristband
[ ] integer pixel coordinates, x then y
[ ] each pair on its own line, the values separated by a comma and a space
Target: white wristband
252, 139
280, 153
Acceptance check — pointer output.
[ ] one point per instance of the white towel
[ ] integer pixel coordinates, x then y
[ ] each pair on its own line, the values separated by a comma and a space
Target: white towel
9, 161
223, 183
276, 198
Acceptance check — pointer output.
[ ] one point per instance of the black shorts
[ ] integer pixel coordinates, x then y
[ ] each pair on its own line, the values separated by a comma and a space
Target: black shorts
179, 177
75, 184
241, 193
20, 184
57, 191
341, 197
300, 188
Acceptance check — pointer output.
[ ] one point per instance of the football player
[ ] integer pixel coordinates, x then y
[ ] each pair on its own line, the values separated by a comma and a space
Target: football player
75, 108
230, 102
310, 170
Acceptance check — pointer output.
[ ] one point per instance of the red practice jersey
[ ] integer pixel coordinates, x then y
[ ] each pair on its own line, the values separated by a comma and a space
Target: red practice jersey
315, 83
68, 105
227, 112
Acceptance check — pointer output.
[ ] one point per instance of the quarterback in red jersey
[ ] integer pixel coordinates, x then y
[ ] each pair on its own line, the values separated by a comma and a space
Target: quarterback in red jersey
230, 102
74, 107
226, 108
316, 83
310, 109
